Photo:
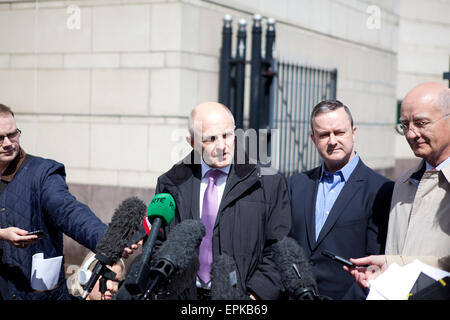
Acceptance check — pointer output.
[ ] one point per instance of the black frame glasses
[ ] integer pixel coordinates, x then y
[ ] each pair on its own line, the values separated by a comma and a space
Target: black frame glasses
11, 136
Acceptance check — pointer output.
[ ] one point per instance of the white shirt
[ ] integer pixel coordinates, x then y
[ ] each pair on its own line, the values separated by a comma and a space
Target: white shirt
220, 183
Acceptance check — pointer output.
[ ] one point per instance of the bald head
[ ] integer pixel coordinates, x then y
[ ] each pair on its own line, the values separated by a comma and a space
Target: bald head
208, 110
211, 129
429, 93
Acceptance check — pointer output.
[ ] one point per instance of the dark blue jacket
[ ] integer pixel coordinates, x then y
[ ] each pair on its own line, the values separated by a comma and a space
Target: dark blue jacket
38, 199
356, 226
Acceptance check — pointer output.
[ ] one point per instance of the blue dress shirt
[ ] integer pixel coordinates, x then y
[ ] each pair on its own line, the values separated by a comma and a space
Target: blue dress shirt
330, 185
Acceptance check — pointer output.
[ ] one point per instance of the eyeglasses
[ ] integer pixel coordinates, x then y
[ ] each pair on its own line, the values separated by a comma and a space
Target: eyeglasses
419, 125
11, 136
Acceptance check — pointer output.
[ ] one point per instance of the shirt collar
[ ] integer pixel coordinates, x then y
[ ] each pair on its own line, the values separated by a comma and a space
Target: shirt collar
439, 166
345, 171
206, 168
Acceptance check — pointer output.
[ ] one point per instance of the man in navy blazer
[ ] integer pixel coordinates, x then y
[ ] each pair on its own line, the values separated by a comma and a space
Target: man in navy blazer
341, 206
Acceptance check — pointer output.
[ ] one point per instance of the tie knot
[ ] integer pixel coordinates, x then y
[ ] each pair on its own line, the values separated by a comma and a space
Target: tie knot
213, 174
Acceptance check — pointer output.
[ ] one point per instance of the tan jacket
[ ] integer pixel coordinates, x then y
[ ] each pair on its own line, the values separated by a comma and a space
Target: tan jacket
419, 221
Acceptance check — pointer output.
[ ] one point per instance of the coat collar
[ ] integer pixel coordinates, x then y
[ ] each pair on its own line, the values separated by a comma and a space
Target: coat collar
190, 166
14, 166
414, 175
183, 182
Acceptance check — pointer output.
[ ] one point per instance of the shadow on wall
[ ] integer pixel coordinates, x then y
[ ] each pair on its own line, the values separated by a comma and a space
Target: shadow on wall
103, 200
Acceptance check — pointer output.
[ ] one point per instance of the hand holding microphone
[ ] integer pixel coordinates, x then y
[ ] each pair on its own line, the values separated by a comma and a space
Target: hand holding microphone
124, 224
367, 268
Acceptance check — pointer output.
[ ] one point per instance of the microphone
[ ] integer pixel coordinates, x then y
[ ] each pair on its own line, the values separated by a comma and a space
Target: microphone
143, 231
160, 213
295, 270
175, 264
225, 279
122, 293
124, 224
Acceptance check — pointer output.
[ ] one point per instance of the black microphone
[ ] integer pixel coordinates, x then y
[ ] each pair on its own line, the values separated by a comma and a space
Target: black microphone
122, 293
225, 279
124, 224
295, 270
175, 265
160, 213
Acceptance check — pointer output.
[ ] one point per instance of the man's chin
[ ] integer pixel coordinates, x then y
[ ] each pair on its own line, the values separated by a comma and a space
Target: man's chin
335, 157
218, 163
8, 157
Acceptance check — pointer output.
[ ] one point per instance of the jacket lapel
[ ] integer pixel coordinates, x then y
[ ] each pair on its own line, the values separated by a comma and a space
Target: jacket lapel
195, 195
234, 188
351, 188
310, 207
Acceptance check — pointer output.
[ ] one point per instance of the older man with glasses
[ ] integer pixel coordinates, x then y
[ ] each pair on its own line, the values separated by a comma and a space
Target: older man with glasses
419, 222
34, 196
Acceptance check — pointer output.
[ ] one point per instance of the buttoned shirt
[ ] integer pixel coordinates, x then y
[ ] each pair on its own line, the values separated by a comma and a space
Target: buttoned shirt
330, 185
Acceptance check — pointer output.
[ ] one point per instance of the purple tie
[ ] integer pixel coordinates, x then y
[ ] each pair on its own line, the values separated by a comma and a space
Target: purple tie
209, 213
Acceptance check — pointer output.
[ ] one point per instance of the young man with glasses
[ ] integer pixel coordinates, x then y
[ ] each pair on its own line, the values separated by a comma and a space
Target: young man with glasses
419, 221
34, 196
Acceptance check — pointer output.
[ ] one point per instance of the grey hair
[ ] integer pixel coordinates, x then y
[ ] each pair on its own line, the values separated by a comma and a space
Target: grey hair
328, 106
443, 101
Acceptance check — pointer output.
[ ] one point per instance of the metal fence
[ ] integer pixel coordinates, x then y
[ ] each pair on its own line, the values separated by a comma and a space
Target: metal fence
297, 89
282, 96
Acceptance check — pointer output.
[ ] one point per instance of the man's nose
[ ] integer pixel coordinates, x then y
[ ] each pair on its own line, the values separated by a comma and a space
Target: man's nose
6, 141
220, 143
332, 139
412, 133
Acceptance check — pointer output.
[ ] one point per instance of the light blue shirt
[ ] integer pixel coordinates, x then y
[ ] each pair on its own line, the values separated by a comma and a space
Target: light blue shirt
330, 185
438, 167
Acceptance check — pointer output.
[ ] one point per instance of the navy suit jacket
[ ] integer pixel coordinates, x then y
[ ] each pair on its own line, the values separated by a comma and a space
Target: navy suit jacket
356, 226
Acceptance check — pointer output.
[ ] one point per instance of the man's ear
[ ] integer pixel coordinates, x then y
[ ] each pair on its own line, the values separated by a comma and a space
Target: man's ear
313, 138
190, 140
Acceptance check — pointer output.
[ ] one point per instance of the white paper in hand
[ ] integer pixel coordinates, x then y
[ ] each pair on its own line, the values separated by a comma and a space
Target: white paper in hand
396, 282
45, 272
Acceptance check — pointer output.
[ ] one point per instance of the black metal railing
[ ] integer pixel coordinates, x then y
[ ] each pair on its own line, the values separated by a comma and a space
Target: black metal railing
297, 90
282, 96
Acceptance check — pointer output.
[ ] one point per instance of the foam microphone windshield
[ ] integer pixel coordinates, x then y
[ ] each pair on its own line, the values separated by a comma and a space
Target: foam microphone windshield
295, 269
124, 224
225, 279
175, 264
